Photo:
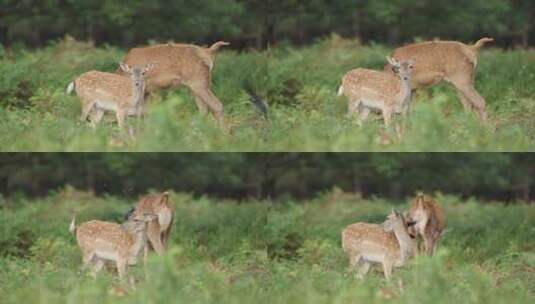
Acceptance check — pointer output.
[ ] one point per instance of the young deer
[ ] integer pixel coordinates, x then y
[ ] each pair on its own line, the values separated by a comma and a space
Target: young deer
449, 61
377, 90
101, 92
389, 244
104, 241
182, 64
429, 221
159, 229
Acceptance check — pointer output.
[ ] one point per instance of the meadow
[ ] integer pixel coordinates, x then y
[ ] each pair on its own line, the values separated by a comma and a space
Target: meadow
286, 251
300, 86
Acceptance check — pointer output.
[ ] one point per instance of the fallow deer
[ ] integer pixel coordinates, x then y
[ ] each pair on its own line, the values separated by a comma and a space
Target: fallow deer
389, 244
102, 241
429, 221
377, 90
159, 229
100, 92
182, 64
450, 61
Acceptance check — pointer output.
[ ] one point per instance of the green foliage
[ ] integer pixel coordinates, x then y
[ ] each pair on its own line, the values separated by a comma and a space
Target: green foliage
299, 84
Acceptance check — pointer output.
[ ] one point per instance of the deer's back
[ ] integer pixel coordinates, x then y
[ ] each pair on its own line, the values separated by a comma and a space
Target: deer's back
379, 84
365, 237
172, 63
443, 57
104, 86
105, 235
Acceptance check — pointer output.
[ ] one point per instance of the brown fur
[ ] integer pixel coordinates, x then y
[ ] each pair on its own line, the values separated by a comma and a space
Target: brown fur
450, 61
100, 241
182, 64
388, 244
390, 93
157, 232
430, 221
100, 92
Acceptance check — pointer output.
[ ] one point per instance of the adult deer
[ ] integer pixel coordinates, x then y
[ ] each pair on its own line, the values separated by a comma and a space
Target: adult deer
429, 221
450, 61
182, 65
158, 230
389, 244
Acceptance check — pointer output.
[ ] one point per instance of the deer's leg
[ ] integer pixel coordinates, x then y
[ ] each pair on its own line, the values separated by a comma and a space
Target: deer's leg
387, 269
353, 108
145, 257
87, 106
215, 106
467, 105
87, 259
203, 108
121, 117
364, 113
387, 116
96, 116
121, 267
165, 236
466, 86
353, 262
97, 267
153, 234
364, 268
428, 242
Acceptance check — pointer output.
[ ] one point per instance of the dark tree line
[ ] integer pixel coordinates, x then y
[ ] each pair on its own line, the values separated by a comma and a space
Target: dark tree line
259, 23
507, 177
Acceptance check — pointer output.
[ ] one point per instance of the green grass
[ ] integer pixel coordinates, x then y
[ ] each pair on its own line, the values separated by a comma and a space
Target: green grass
267, 252
299, 84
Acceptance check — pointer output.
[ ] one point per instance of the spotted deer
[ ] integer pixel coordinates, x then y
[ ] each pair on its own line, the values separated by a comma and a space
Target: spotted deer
182, 65
159, 229
429, 221
100, 92
388, 244
369, 90
450, 61
102, 241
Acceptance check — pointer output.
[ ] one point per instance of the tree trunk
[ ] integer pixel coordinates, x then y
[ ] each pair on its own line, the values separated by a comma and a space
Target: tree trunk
525, 35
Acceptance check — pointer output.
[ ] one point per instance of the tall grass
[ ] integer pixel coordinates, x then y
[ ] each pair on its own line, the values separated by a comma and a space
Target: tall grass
299, 84
266, 252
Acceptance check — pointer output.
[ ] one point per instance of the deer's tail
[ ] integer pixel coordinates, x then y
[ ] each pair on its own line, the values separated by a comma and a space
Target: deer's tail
481, 43
341, 90
72, 226
71, 87
216, 46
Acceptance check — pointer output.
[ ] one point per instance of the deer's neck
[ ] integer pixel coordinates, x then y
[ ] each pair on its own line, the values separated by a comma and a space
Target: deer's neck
407, 245
138, 94
406, 91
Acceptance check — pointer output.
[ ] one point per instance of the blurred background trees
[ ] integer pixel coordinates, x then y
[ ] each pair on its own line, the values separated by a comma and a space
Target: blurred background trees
506, 177
259, 23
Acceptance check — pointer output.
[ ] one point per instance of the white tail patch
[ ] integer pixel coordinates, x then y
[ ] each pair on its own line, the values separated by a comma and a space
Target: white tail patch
70, 88
72, 226
341, 90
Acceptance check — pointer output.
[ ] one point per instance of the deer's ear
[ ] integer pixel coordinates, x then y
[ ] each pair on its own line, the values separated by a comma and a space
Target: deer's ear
125, 67
149, 67
393, 62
